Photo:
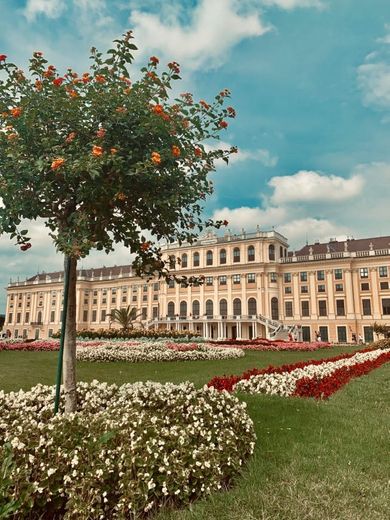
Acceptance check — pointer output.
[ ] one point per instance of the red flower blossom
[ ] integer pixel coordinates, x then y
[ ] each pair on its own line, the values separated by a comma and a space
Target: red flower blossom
101, 133
154, 60
58, 81
225, 223
175, 151
223, 124
174, 67
3, 57
24, 247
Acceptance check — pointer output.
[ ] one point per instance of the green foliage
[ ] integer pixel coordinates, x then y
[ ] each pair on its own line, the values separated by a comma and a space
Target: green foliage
125, 317
101, 158
132, 334
381, 329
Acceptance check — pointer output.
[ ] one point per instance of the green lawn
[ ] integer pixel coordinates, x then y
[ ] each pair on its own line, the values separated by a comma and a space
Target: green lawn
313, 460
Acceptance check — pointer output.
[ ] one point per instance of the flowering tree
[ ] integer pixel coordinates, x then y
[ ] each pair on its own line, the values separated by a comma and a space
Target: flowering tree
101, 159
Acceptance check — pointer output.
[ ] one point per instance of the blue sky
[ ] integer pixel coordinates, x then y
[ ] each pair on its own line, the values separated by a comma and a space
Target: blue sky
310, 81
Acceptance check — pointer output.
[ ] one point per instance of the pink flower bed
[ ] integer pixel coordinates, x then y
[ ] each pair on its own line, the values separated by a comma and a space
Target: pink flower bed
31, 346
277, 345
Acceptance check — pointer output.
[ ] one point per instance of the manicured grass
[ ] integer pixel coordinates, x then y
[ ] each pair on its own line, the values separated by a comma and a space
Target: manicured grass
313, 460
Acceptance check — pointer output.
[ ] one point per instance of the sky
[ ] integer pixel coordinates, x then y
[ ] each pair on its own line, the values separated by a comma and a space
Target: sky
310, 81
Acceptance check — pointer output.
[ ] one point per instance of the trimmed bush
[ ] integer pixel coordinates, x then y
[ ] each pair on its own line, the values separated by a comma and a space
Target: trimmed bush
128, 450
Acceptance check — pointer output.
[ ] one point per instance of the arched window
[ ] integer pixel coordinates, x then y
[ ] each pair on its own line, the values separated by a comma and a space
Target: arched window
196, 259
195, 308
184, 260
237, 307
39, 317
271, 252
183, 309
274, 309
236, 254
281, 252
222, 256
252, 307
223, 307
209, 308
251, 253
171, 309
209, 258
172, 261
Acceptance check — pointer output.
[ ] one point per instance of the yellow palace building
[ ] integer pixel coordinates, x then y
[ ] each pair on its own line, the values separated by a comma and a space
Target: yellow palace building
253, 287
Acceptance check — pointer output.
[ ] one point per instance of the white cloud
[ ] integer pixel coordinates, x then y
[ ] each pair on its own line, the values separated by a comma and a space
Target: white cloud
292, 4
214, 27
309, 186
298, 230
248, 218
50, 8
374, 81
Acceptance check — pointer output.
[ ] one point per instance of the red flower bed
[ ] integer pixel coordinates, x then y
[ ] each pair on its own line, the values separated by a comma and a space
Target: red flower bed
326, 386
266, 344
227, 382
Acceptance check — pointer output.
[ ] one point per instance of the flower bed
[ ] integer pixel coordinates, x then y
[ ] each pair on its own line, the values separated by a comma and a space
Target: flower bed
128, 449
134, 333
229, 382
318, 380
29, 345
156, 351
277, 345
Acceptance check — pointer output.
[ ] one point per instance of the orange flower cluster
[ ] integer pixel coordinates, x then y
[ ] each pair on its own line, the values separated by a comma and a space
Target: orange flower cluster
121, 110
57, 163
86, 77
223, 124
204, 104
174, 67
113, 151
72, 93
198, 152
156, 158
70, 137
145, 246
175, 151
16, 112
154, 60
58, 81
121, 196
38, 84
49, 72
97, 151
158, 109
100, 79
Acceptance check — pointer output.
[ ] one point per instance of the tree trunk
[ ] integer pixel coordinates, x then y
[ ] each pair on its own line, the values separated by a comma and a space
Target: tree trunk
69, 373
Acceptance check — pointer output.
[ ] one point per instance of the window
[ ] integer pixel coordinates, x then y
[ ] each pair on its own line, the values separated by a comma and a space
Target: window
368, 334
252, 306
10, 317
209, 258
209, 308
94, 301
321, 288
52, 316
222, 280
134, 298
171, 284
287, 277
366, 304
144, 297
306, 333
338, 274
236, 254
339, 287
288, 309
274, 308
95, 293
222, 256
384, 285
16, 333
273, 277
25, 333
145, 288
251, 254
196, 259
104, 300
288, 290
340, 308
171, 309
251, 278
156, 286
303, 276
85, 316
209, 280
223, 307
103, 315
322, 308
385, 305
27, 317
85, 302
383, 272
155, 297
184, 260
195, 308
172, 261
18, 317
304, 289
113, 290
124, 299
305, 311
237, 307
94, 316
39, 317
113, 300
363, 272
342, 334
320, 275
144, 312
155, 312
365, 286
271, 252
236, 279
324, 333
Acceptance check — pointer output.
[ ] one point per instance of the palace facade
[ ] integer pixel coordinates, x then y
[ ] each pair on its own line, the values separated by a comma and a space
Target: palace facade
253, 287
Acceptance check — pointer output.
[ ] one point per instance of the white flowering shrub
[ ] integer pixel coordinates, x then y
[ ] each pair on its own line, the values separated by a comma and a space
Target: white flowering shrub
156, 351
128, 450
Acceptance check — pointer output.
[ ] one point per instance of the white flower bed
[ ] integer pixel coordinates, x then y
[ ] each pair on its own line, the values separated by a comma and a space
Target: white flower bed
127, 450
154, 351
284, 384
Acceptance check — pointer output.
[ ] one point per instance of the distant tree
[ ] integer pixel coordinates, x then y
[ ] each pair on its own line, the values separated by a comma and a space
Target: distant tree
125, 317
101, 160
